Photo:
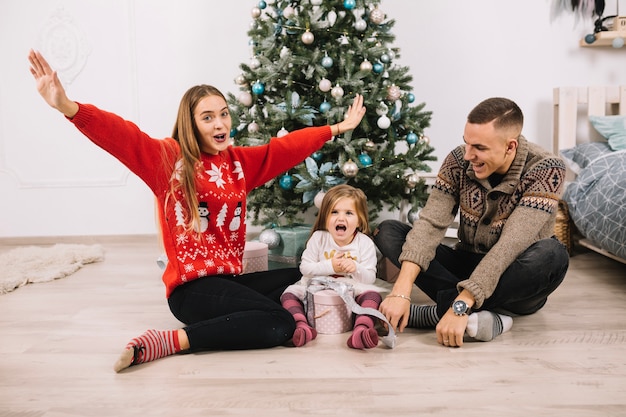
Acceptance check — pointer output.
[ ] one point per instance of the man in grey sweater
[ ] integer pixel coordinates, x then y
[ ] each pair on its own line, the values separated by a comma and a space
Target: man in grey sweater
507, 260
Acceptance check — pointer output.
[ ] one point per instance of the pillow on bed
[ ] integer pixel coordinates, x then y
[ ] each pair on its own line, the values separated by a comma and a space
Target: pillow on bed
613, 128
581, 155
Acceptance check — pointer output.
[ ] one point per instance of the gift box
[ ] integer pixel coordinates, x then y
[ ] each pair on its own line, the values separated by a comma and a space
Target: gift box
292, 242
328, 313
255, 257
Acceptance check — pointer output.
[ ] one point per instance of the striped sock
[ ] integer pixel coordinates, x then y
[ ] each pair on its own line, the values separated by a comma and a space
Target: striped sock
421, 317
151, 345
485, 325
303, 333
364, 335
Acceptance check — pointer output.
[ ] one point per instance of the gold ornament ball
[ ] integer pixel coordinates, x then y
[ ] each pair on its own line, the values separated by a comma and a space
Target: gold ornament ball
308, 38
377, 16
412, 180
393, 92
337, 92
369, 146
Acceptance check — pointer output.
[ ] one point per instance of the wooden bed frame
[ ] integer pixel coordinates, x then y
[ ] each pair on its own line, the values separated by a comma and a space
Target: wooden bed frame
571, 126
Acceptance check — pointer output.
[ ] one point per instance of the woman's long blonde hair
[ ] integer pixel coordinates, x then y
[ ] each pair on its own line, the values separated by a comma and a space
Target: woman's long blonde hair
185, 132
335, 194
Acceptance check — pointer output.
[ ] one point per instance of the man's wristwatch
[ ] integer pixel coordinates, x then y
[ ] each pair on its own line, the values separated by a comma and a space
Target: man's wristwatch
460, 308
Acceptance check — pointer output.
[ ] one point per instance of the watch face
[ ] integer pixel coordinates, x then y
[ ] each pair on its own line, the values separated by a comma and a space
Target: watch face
459, 307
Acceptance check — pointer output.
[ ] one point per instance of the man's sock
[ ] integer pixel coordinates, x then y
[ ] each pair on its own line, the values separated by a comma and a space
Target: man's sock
151, 345
485, 325
303, 333
421, 317
364, 335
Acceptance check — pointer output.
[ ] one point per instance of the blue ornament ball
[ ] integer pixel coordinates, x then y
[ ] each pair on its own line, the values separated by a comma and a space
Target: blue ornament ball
317, 156
349, 4
262, 5
365, 160
258, 88
324, 107
411, 138
233, 132
411, 97
385, 58
286, 182
377, 68
590, 38
327, 62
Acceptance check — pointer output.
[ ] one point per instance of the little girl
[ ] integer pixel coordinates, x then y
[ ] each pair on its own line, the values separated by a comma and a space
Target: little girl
339, 248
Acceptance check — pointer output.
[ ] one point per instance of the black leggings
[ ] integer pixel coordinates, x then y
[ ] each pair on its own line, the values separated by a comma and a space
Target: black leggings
235, 312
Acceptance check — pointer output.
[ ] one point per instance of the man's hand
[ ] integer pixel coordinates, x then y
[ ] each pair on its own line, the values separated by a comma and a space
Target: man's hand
451, 328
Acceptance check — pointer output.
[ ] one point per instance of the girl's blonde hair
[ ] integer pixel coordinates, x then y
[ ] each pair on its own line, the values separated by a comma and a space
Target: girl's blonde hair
185, 132
335, 194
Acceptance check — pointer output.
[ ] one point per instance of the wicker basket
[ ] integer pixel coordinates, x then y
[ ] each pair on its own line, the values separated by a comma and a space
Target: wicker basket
562, 228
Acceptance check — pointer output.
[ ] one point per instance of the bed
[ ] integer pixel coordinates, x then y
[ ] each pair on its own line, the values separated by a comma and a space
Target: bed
590, 135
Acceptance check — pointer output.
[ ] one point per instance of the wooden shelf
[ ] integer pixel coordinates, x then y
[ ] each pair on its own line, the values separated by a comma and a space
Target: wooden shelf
604, 39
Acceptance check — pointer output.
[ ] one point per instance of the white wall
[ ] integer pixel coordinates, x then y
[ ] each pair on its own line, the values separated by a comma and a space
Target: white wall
137, 57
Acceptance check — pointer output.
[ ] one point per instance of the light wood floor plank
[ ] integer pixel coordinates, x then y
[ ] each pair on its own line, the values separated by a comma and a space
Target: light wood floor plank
60, 339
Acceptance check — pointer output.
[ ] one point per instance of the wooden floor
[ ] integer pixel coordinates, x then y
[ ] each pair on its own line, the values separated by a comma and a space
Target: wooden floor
59, 340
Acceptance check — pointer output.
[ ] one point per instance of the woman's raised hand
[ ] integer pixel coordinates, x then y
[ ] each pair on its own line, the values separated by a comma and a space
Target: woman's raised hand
49, 86
354, 115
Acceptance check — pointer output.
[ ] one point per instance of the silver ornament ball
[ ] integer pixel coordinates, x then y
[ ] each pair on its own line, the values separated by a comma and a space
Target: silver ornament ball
413, 214
270, 237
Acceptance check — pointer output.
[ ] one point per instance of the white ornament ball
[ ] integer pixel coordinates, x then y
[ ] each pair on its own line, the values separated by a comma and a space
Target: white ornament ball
426, 139
325, 85
377, 16
316, 2
318, 199
366, 66
337, 92
240, 80
617, 42
270, 237
255, 12
288, 12
384, 122
382, 109
308, 37
350, 169
245, 98
284, 52
282, 132
369, 146
255, 63
360, 25
253, 127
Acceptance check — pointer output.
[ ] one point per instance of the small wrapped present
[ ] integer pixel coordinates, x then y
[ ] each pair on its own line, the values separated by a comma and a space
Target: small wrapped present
255, 257
292, 243
328, 313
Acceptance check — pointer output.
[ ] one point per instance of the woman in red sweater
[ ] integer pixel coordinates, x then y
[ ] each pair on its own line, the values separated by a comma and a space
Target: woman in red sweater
201, 182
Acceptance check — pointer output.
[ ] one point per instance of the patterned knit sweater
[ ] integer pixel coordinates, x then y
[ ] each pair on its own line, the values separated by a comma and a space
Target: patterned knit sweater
500, 222
222, 184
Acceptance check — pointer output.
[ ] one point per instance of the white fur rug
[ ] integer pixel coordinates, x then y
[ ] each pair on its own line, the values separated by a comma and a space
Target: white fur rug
30, 264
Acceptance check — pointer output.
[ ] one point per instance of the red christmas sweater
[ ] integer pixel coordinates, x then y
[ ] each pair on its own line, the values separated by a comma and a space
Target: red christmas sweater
222, 185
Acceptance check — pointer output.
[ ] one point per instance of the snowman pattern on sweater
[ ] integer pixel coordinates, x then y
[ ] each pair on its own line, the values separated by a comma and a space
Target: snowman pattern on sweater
221, 192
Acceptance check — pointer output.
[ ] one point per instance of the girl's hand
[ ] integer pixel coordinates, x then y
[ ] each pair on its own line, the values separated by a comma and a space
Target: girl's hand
49, 86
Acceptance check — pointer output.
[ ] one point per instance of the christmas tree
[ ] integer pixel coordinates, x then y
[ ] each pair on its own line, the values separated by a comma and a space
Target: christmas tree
308, 60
